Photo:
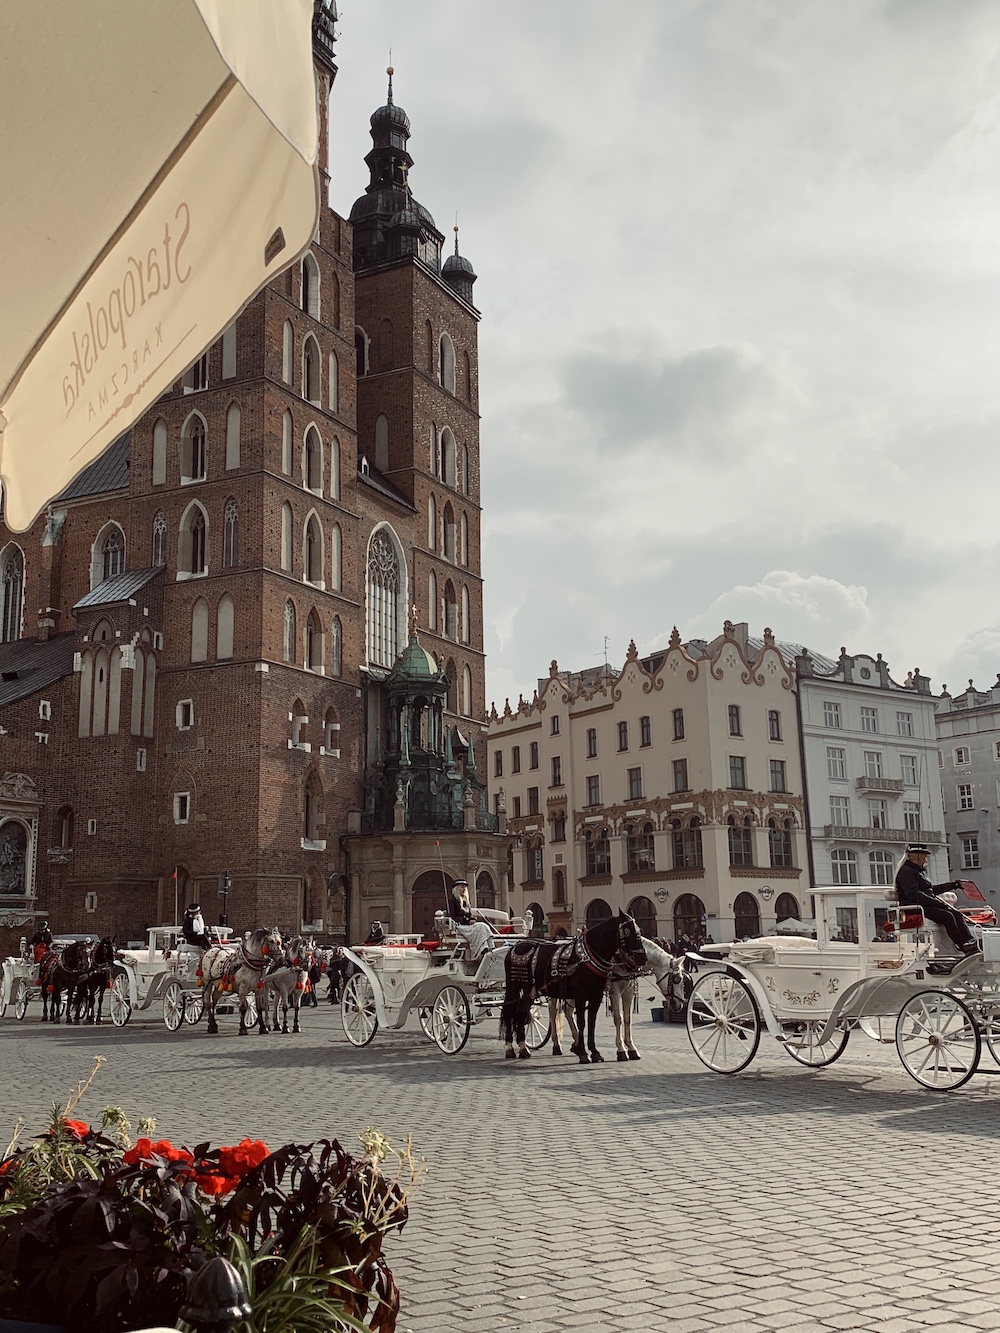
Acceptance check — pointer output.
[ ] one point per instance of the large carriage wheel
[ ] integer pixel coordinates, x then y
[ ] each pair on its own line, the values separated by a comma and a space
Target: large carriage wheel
723, 1023
357, 1010
21, 996
938, 1040
424, 1018
538, 1029
173, 1006
451, 1019
804, 1044
194, 1007
118, 1000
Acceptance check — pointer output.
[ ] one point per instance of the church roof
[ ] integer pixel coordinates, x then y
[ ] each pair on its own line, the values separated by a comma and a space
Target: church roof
30, 665
415, 663
108, 472
119, 588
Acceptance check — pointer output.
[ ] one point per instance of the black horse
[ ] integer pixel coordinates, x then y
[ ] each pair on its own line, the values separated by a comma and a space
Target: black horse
58, 972
576, 969
96, 981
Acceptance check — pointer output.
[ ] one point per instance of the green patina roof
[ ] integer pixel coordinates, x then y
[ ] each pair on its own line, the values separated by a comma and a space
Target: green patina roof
415, 663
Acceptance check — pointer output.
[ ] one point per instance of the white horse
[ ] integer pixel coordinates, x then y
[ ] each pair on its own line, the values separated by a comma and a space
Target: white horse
240, 969
623, 989
286, 983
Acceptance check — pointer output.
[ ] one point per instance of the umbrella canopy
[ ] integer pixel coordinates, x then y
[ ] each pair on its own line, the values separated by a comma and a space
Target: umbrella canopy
158, 164
792, 927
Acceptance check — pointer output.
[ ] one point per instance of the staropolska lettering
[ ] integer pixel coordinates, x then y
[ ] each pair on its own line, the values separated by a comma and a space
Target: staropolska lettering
142, 281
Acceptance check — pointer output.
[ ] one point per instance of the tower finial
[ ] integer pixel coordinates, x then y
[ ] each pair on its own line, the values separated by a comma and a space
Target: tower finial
456, 231
390, 71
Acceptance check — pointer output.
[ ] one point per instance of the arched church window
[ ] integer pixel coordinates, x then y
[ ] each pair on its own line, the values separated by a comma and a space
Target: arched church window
231, 536
160, 539
384, 587
13, 593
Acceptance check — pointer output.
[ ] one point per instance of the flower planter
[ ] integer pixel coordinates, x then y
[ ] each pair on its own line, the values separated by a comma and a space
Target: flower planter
655, 1014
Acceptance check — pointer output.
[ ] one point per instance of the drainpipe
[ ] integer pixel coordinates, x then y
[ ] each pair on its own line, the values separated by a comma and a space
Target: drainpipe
805, 791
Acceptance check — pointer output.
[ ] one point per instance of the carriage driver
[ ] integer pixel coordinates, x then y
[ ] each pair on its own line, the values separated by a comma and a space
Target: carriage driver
914, 889
476, 934
193, 927
41, 942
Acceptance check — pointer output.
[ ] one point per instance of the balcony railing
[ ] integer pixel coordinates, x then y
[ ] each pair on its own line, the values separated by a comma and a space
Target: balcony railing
853, 833
895, 785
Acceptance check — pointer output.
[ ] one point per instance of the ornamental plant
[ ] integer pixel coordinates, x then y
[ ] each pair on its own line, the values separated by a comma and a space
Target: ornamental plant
100, 1234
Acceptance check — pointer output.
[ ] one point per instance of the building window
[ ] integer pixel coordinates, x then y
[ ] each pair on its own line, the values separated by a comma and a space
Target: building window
315, 648
159, 453
160, 539
681, 775
961, 756
591, 742
904, 727
231, 535
678, 716
384, 586
687, 848
225, 626
737, 771
778, 782
622, 735
232, 438
515, 758
645, 732
534, 867
532, 800
194, 542
880, 867
779, 841
288, 646
185, 714
735, 723
911, 816
113, 553
310, 371
554, 726
533, 755
517, 807
196, 378
908, 769
773, 724
593, 790
559, 828
598, 852
12, 589
740, 842
310, 286
840, 811
836, 766
831, 713
869, 719
843, 866
878, 814
182, 807
965, 796
873, 763
447, 363
640, 849
312, 462
970, 853
556, 771
313, 552
498, 763
635, 784
193, 450
558, 887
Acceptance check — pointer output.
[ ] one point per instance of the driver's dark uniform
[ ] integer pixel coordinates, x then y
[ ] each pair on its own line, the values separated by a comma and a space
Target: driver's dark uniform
914, 889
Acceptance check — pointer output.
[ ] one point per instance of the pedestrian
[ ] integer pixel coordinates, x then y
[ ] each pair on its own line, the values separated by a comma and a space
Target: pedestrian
914, 889
334, 975
315, 976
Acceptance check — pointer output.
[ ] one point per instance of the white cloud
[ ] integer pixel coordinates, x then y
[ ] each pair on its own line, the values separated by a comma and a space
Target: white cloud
809, 609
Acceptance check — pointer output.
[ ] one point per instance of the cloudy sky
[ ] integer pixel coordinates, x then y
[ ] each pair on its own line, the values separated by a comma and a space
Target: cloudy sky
739, 269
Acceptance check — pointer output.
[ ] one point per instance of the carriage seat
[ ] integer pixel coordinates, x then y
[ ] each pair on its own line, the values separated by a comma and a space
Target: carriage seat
767, 948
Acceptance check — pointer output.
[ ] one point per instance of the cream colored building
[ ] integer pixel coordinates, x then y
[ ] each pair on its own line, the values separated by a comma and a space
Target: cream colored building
672, 789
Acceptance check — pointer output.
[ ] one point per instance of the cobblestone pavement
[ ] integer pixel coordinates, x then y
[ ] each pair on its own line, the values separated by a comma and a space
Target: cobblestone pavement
653, 1195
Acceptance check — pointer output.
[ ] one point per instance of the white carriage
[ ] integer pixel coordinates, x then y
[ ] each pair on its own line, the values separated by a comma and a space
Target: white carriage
164, 974
436, 979
18, 982
811, 994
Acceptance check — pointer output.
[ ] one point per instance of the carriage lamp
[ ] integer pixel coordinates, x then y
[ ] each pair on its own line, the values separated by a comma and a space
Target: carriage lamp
216, 1298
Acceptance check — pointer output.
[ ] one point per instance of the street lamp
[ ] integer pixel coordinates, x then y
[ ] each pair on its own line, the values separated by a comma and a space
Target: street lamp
225, 887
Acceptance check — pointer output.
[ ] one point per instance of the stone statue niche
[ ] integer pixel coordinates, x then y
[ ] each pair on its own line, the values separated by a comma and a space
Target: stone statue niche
13, 858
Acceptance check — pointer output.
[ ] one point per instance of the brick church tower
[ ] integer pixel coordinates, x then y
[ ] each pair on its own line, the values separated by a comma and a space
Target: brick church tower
201, 640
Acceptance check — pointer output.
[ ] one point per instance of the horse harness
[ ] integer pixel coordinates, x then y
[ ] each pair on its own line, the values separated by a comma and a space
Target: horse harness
528, 967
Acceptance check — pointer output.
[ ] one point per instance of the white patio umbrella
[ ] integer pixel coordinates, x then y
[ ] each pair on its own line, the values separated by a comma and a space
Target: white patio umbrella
158, 166
792, 927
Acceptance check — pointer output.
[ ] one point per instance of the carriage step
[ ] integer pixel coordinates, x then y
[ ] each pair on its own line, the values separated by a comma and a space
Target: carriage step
943, 967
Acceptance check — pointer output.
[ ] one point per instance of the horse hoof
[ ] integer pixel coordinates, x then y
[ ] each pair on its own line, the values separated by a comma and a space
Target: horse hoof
634, 1055
622, 1055
524, 1055
596, 1059
584, 1058
557, 1050
510, 1055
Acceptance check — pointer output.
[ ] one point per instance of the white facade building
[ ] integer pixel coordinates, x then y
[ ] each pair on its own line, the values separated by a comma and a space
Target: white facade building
968, 730
870, 753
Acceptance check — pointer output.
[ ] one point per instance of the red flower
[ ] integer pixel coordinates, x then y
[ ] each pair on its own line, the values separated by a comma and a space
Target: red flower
146, 1149
9, 1165
78, 1128
247, 1154
210, 1184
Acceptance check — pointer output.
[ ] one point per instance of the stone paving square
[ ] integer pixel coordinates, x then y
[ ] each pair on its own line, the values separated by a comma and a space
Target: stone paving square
652, 1195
